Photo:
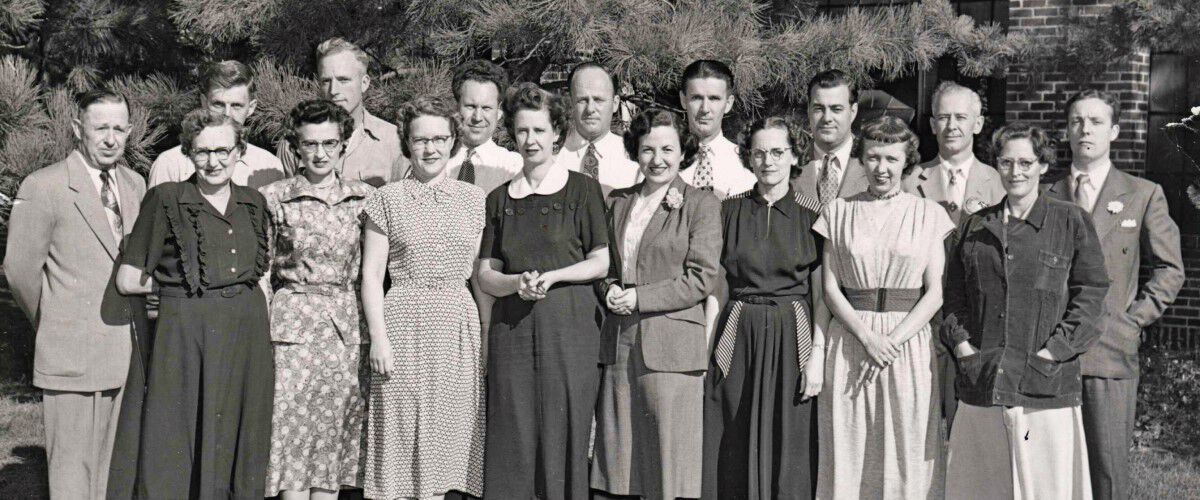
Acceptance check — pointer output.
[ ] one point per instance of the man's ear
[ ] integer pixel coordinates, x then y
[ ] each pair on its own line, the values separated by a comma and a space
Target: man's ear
251, 106
366, 81
729, 104
77, 128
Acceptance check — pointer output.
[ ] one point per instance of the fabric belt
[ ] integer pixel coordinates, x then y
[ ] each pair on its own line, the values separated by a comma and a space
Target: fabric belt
226, 292
883, 299
799, 306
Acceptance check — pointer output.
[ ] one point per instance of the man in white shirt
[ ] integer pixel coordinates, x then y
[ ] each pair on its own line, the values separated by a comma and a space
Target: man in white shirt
956, 179
229, 91
373, 151
590, 146
478, 87
706, 94
832, 107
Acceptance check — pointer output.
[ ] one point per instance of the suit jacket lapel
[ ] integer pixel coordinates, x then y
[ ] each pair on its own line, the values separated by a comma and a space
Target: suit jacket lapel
930, 184
621, 208
658, 221
87, 200
806, 183
854, 179
129, 200
976, 182
1115, 188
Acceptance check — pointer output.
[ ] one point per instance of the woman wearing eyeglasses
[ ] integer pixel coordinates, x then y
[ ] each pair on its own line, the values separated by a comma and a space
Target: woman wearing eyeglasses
1025, 290
759, 439
202, 243
425, 421
319, 349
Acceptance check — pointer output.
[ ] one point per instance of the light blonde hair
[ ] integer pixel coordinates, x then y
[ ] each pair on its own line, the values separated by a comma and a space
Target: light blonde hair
338, 45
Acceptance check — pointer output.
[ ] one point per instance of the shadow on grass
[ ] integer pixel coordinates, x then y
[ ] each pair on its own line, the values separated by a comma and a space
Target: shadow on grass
27, 477
16, 344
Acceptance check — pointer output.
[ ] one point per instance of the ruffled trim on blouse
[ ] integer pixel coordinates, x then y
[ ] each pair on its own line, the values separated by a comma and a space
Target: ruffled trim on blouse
190, 278
193, 212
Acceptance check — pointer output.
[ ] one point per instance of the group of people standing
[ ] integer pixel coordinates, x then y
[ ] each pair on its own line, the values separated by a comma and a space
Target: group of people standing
414, 310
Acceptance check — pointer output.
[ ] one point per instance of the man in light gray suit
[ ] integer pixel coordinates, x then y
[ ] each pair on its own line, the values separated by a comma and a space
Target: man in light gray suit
832, 173
1131, 219
65, 233
958, 181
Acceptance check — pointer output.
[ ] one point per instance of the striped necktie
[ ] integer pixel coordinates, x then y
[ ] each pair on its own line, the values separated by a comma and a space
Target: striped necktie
111, 207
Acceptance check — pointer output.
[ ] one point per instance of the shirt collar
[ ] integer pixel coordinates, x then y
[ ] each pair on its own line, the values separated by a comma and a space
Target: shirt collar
604, 143
786, 205
962, 168
299, 187
842, 153
1096, 176
1036, 216
371, 125
190, 192
719, 144
554, 181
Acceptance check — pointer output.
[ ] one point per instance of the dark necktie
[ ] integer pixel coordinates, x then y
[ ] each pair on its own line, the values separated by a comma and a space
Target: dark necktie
467, 172
591, 165
827, 187
111, 207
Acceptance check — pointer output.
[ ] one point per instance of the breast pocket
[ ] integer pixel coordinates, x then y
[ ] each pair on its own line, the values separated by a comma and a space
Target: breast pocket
1052, 272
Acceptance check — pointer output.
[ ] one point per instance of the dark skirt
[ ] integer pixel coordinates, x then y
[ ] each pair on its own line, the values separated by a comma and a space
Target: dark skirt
543, 376
206, 425
759, 437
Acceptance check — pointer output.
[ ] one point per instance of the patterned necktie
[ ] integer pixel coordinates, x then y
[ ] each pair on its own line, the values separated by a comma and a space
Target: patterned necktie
590, 165
827, 188
954, 184
111, 207
467, 172
704, 171
1083, 196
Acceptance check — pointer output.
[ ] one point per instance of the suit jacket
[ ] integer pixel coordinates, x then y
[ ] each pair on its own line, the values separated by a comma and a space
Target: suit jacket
983, 187
1131, 219
61, 266
854, 179
678, 258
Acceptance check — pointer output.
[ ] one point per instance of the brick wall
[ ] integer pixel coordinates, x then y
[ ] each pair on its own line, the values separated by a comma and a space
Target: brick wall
1040, 98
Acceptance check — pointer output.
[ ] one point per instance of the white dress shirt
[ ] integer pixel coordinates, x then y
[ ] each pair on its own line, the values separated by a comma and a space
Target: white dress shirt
554, 181
94, 174
640, 213
494, 165
958, 191
616, 169
1096, 177
730, 176
841, 155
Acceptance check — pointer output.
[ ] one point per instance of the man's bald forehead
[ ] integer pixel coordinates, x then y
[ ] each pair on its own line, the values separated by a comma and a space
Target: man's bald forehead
591, 71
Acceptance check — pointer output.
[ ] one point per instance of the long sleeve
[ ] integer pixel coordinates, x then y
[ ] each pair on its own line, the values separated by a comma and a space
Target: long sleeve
1087, 285
30, 227
700, 265
1160, 236
955, 304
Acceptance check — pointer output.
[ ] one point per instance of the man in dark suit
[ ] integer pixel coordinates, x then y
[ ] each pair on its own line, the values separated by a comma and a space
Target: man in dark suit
65, 233
1131, 219
832, 173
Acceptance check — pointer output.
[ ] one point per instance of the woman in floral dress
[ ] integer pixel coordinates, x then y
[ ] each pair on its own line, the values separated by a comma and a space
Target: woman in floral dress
425, 426
315, 334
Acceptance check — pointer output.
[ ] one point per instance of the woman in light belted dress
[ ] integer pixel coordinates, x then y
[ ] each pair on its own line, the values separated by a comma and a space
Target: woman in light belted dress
318, 346
878, 419
758, 410
653, 347
425, 424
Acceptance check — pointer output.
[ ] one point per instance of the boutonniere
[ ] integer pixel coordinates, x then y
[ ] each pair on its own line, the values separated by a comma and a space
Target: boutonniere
974, 205
1128, 223
673, 200
1115, 207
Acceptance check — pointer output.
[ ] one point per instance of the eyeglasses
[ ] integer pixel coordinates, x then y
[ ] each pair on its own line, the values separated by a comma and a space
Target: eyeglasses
1022, 165
202, 155
436, 141
776, 154
311, 147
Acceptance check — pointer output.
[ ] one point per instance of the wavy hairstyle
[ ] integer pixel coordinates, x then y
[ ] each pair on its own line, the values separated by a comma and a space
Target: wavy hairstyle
529, 96
890, 130
199, 119
657, 117
316, 111
439, 107
1043, 145
797, 138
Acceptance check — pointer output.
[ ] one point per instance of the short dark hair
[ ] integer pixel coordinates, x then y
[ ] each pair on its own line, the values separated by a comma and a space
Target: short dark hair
199, 119
530, 96
227, 74
658, 117
796, 137
612, 78
1108, 97
1043, 145
706, 68
90, 97
831, 78
891, 130
317, 111
480, 71
436, 106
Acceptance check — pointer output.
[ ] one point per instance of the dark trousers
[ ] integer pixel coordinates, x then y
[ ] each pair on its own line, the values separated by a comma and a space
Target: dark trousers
1109, 408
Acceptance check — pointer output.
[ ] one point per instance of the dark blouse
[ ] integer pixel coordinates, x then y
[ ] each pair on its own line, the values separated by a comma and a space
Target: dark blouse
545, 232
187, 243
769, 249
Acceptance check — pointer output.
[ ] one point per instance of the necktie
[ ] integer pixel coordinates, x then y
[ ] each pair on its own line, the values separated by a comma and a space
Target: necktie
827, 188
1083, 195
955, 186
591, 165
111, 207
704, 171
467, 172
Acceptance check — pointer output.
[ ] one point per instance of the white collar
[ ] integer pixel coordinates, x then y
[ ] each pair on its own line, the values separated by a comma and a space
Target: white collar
964, 167
553, 182
1096, 176
576, 143
842, 153
719, 143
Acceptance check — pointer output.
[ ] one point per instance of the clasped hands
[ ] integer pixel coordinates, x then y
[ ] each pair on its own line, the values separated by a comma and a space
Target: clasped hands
532, 285
621, 301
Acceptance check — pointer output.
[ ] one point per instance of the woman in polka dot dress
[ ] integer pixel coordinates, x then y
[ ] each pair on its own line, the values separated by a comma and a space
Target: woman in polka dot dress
425, 423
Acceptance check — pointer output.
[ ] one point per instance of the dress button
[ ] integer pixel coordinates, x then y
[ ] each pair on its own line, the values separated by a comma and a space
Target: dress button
1010, 256
999, 370
545, 210
233, 269
1001, 315
232, 250
229, 231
